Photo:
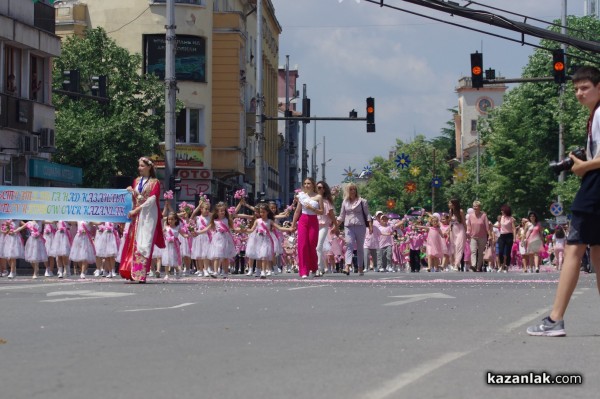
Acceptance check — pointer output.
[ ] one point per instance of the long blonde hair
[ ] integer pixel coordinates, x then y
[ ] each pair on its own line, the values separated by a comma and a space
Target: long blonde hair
347, 191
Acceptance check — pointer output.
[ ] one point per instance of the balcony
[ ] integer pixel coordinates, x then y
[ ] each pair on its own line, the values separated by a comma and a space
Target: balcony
44, 17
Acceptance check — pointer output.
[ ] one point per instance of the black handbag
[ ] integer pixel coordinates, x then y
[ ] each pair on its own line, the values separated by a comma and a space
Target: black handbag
363, 212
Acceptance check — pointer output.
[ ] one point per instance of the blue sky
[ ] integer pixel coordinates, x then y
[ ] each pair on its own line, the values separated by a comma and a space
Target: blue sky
348, 51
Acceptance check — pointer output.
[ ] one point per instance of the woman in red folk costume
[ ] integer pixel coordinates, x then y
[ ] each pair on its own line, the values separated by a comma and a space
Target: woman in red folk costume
145, 229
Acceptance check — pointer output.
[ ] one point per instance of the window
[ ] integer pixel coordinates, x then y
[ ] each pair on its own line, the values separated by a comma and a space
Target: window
473, 125
36, 88
190, 126
12, 68
8, 173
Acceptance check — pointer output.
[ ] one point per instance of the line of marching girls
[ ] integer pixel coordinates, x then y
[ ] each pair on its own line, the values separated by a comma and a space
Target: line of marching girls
307, 237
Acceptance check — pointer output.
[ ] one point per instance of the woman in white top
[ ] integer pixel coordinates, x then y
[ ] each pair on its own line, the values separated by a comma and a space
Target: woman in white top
356, 218
310, 204
327, 221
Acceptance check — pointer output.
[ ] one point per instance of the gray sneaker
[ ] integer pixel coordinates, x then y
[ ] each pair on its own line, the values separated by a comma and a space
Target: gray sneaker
548, 329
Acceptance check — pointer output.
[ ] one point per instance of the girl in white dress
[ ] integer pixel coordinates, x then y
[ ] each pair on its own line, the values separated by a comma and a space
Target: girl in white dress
222, 248
107, 245
171, 254
61, 248
264, 246
13, 247
35, 250
185, 243
82, 250
201, 242
49, 231
3, 271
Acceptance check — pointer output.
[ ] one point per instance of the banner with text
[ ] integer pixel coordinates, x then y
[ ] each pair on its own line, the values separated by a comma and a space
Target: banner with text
72, 204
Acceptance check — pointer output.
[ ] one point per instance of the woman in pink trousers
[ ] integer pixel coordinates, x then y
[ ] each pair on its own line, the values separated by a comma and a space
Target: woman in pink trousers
310, 204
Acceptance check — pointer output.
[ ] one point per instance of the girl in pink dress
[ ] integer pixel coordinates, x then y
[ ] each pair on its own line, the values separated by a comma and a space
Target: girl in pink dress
35, 250
445, 229
434, 244
171, 254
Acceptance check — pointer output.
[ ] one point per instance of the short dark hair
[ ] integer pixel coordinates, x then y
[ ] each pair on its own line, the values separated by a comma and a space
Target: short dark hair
506, 210
587, 73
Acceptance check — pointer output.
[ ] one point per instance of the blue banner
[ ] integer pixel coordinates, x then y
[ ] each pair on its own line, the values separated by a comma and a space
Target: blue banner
71, 204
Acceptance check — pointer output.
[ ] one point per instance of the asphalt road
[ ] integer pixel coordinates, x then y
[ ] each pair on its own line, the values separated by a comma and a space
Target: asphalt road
398, 335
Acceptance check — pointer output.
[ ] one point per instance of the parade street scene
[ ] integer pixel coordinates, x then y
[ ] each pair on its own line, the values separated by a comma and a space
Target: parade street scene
349, 199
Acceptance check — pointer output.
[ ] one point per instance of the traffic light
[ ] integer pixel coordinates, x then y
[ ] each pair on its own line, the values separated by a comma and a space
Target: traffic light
476, 70
370, 115
99, 86
306, 109
71, 81
558, 66
174, 182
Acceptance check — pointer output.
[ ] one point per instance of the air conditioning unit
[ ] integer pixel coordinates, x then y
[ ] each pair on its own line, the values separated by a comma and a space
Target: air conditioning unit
30, 144
46, 138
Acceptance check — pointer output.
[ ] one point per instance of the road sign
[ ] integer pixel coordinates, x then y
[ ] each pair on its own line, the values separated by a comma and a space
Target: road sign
556, 209
562, 219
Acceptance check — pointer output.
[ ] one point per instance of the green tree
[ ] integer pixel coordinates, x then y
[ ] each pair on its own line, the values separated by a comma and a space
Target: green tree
106, 139
430, 161
522, 135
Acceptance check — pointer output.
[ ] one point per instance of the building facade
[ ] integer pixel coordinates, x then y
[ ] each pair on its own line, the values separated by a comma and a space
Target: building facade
473, 104
27, 45
216, 81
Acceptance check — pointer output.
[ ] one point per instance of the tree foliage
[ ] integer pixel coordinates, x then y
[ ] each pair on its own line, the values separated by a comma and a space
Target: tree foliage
520, 139
106, 139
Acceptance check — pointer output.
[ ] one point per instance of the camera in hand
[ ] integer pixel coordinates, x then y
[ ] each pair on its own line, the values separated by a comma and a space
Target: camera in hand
567, 163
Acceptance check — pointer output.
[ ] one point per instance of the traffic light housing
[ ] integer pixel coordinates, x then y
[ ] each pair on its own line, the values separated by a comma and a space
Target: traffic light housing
99, 86
174, 182
71, 81
477, 70
306, 109
370, 115
558, 66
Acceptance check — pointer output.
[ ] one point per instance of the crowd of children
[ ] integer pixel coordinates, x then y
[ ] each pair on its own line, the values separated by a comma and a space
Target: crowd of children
214, 243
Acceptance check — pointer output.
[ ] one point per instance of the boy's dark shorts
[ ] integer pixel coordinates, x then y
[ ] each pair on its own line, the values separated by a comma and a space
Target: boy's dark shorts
584, 229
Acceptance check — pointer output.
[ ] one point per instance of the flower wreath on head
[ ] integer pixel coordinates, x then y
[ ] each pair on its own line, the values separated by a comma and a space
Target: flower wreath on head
147, 160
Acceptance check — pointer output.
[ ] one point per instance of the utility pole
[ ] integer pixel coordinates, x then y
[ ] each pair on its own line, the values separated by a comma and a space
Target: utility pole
286, 144
314, 153
304, 150
561, 93
171, 94
258, 159
324, 162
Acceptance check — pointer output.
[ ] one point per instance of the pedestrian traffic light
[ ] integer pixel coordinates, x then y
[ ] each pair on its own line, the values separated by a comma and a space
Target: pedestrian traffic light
99, 86
558, 66
370, 115
476, 70
174, 182
306, 109
71, 81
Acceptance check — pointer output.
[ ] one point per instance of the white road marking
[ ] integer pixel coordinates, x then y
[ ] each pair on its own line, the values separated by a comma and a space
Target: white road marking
83, 294
40, 285
170, 307
309, 286
396, 384
417, 297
